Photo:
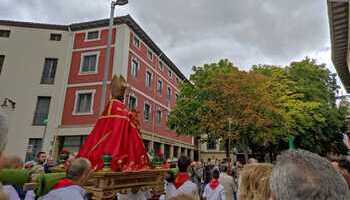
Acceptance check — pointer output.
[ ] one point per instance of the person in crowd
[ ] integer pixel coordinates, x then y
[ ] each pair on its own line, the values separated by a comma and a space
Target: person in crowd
252, 161
182, 197
182, 184
214, 190
254, 182
135, 194
228, 183
38, 167
343, 166
7, 192
70, 187
41, 158
11, 162
302, 175
195, 177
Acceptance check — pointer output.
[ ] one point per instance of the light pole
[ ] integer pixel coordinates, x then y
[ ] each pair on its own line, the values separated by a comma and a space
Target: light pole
108, 51
45, 121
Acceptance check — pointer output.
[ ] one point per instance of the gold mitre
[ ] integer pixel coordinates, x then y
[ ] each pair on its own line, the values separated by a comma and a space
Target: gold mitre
118, 87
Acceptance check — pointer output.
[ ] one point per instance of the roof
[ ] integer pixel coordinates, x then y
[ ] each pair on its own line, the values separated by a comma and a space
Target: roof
34, 25
338, 13
101, 23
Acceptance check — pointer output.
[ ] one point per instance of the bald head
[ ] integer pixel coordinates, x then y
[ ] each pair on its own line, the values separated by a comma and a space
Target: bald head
303, 175
3, 131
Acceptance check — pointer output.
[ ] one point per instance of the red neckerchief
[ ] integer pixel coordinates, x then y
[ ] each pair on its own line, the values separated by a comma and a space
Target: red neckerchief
181, 178
63, 183
213, 183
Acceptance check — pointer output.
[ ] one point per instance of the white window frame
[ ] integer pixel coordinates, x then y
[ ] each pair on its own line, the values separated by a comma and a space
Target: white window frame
86, 35
168, 96
170, 73
134, 96
133, 41
161, 92
138, 67
161, 65
148, 55
160, 121
148, 71
93, 92
177, 80
150, 111
90, 53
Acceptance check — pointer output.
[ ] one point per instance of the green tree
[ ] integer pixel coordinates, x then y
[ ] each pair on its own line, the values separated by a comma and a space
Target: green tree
225, 103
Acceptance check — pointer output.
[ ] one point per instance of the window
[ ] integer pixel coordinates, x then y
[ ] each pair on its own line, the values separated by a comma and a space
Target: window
2, 59
211, 144
134, 67
34, 146
168, 92
170, 73
148, 78
93, 35
84, 102
41, 111
146, 112
5, 33
161, 65
159, 116
136, 42
132, 103
159, 86
177, 80
89, 64
71, 143
55, 37
150, 54
49, 71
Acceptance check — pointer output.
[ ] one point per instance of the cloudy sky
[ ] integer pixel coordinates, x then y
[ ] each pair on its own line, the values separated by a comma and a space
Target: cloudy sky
193, 32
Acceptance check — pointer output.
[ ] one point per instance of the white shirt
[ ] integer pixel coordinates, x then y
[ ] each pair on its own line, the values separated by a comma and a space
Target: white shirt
71, 192
228, 183
135, 196
188, 188
11, 192
217, 194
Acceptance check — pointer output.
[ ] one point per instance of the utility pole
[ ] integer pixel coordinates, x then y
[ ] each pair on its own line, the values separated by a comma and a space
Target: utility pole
108, 51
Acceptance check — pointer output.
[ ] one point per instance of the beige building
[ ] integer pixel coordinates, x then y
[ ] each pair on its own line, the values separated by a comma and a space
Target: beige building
33, 65
213, 149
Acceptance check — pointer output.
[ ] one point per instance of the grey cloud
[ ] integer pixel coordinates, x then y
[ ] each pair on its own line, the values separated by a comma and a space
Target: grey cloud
194, 32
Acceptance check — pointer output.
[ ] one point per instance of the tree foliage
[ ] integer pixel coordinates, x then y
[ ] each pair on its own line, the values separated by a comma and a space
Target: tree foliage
261, 108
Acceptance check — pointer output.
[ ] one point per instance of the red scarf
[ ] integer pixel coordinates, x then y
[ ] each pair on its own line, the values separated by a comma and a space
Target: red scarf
213, 183
181, 178
63, 183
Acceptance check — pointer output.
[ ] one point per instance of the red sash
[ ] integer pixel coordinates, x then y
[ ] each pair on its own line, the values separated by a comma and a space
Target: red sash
63, 183
181, 178
214, 183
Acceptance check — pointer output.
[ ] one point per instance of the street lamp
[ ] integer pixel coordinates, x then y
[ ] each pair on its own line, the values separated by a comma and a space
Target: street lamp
108, 51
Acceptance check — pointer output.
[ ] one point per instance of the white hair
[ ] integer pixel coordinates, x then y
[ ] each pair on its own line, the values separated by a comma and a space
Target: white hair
77, 168
303, 175
3, 131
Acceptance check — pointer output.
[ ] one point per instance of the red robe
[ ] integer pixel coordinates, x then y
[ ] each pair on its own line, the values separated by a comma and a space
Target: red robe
116, 134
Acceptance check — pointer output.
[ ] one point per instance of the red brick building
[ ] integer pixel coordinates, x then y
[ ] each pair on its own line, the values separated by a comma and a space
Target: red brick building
153, 79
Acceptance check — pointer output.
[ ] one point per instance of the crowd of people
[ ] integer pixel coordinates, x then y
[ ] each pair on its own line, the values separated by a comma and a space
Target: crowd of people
296, 175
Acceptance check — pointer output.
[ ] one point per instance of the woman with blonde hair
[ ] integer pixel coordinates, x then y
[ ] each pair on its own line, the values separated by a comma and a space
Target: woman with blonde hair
254, 182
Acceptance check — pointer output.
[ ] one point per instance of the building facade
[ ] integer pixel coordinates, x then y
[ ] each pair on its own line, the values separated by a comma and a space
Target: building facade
152, 78
33, 65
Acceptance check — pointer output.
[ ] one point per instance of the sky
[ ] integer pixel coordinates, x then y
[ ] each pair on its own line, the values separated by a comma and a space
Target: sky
194, 32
